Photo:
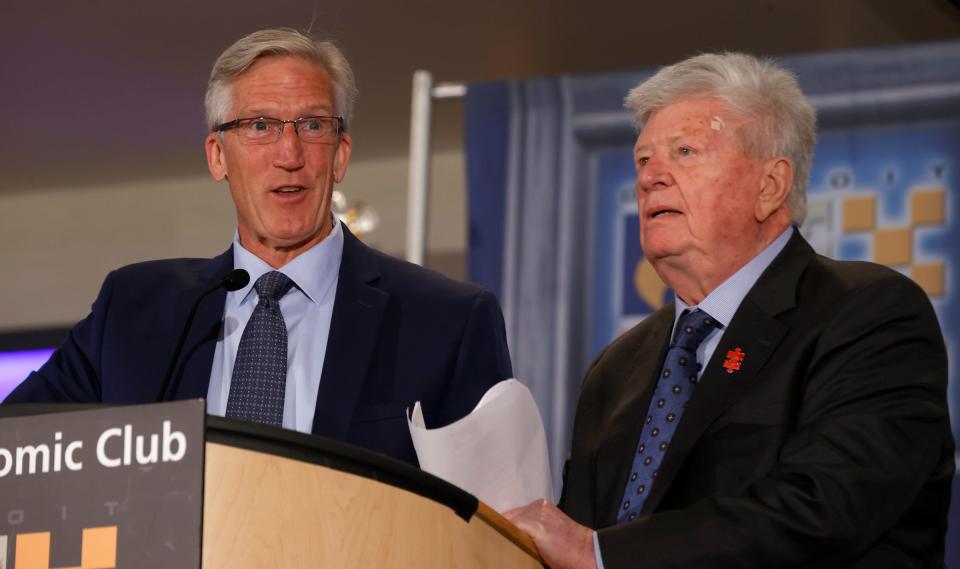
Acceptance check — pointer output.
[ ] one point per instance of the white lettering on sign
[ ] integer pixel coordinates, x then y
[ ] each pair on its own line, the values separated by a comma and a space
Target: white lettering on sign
32, 452
6, 462
68, 459
173, 446
31, 459
116, 446
102, 457
169, 439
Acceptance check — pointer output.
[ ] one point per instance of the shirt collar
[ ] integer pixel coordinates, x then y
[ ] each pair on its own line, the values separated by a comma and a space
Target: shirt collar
314, 271
722, 302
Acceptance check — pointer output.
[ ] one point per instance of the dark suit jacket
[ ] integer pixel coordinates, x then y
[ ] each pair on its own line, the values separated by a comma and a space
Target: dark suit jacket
830, 447
399, 334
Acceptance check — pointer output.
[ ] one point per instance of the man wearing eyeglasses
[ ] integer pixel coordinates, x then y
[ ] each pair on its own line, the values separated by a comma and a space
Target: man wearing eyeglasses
329, 336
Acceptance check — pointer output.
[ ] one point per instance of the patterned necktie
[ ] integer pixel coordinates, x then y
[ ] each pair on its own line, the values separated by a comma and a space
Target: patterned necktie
260, 370
674, 387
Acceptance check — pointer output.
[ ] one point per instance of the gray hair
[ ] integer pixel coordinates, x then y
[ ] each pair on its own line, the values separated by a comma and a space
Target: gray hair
271, 43
784, 123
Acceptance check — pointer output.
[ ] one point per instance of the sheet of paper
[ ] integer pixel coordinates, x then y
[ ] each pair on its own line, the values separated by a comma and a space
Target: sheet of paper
498, 452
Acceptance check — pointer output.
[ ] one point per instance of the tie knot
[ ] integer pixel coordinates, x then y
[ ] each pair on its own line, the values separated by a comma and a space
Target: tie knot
692, 328
273, 285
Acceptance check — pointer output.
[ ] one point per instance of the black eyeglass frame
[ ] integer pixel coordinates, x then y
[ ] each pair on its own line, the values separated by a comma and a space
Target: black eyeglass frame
235, 123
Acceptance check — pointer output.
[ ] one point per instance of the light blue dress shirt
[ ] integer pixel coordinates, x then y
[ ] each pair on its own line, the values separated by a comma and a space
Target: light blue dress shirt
307, 309
722, 303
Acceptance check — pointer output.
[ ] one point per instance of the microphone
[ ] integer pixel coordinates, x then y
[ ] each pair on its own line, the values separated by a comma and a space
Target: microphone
234, 280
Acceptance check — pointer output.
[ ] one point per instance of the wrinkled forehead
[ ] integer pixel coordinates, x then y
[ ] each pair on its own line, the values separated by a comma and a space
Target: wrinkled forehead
699, 104
690, 113
699, 114
282, 77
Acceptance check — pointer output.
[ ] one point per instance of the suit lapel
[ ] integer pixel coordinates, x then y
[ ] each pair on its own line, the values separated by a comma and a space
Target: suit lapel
616, 451
756, 335
757, 332
354, 329
192, 376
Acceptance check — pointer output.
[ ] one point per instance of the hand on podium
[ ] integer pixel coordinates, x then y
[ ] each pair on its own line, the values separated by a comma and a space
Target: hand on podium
562, 542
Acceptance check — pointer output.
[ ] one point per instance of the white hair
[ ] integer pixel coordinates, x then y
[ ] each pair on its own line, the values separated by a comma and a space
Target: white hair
272, 43
783, 121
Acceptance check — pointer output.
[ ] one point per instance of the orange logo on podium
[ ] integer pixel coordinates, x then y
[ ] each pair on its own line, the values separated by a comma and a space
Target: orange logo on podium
99, 550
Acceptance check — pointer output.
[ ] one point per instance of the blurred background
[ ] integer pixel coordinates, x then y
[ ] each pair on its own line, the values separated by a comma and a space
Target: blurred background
101, 158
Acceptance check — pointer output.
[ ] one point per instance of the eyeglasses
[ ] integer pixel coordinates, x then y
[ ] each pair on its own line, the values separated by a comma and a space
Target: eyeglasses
264, 130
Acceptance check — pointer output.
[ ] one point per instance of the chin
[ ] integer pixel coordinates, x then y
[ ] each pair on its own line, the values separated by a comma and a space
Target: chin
659, 246
294, 238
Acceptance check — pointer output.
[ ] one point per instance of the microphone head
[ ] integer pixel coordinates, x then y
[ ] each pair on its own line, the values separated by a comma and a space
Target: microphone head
235, 280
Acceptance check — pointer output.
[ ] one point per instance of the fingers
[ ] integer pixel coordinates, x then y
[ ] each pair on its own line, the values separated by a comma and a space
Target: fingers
526, 512
562, 542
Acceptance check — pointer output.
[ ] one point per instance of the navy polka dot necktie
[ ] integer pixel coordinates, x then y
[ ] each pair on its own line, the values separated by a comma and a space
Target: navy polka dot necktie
260, 370
674, 387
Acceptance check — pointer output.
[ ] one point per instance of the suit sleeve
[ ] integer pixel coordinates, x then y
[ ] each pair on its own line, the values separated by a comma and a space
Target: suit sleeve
482, 361
568, 461
72, 374
871, 429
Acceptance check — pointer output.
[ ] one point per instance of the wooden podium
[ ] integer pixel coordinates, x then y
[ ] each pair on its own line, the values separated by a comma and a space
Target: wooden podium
276, 498
271, 498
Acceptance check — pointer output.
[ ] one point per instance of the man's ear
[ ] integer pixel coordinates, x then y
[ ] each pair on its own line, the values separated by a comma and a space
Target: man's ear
342, 157
216, 161
774, 187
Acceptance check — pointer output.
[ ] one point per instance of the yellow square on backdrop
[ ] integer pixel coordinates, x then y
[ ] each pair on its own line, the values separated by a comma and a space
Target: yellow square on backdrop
930, 277
893, 247
927, 206
859, 213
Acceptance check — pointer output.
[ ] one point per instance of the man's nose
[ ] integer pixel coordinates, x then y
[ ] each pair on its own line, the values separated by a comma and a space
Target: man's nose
289, 155
653, 175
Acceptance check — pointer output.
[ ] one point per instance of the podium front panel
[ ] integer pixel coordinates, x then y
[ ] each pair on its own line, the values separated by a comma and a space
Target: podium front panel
107, 488
263, 510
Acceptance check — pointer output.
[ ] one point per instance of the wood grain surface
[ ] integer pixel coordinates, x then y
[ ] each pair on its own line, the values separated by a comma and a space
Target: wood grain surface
265, 511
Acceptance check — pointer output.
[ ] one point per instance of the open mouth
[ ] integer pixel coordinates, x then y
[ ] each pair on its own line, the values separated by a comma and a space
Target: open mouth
288, 190
664, 212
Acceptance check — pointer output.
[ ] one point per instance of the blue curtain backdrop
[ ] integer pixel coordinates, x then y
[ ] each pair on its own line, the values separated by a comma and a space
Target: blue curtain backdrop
553, 222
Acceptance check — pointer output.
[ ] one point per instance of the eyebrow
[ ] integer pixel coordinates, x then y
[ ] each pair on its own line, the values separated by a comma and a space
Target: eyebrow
319, 110
670, 141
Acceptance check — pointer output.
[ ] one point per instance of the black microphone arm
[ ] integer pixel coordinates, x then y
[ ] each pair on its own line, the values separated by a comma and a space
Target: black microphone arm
234, 280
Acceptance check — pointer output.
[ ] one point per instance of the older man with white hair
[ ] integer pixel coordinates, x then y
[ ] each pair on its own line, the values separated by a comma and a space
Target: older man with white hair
787, 410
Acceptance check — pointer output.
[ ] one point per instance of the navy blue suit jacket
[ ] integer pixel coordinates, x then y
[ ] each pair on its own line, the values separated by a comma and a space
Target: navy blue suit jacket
399, 334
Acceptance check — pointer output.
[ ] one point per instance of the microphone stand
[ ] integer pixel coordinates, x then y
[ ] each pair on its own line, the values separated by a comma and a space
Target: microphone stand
234, 280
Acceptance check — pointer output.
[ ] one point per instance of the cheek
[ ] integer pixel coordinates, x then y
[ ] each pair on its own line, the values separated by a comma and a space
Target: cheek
250, 170
700, 192
720, 192
640, 197
641, 201
733, 212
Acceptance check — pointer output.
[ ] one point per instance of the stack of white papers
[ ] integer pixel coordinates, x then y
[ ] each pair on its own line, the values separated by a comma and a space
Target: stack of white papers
498, 452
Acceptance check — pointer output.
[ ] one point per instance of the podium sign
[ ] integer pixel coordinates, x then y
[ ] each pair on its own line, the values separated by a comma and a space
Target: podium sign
102, 489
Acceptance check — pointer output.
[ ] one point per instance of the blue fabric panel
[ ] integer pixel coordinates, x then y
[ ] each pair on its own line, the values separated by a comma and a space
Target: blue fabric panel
487, 127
